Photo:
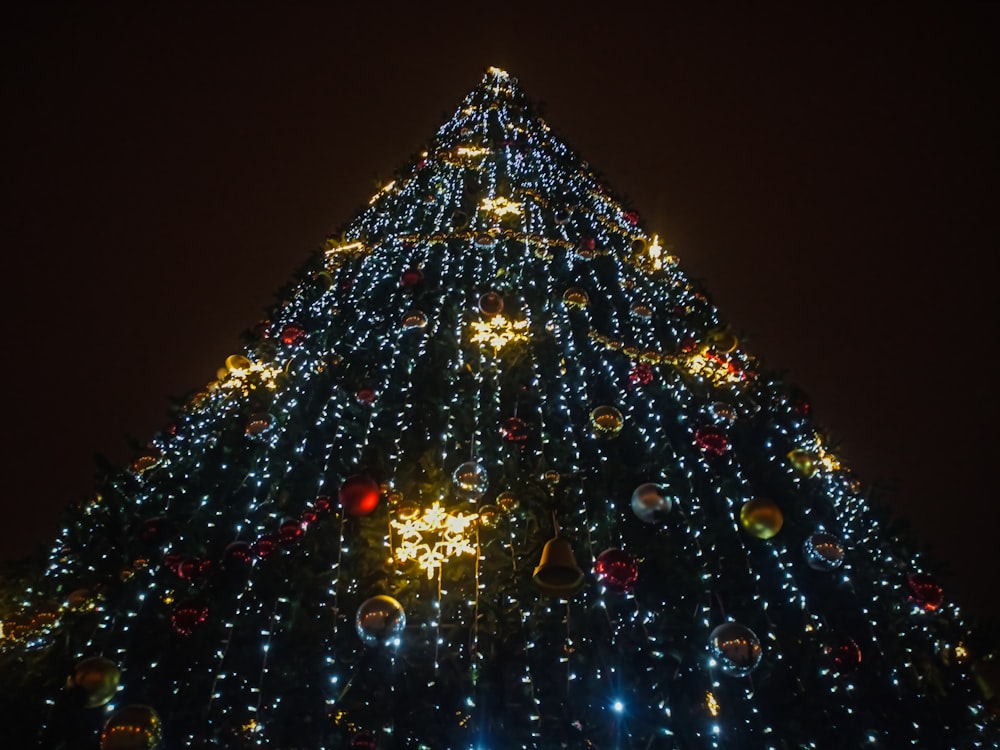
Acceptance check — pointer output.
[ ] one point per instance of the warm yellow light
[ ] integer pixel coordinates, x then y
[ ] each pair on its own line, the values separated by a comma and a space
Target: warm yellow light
499, 72
655, 251
712, 703
714, 368
433, 537
238, 377
382, 192
498, 331
349, 247
501, 206
471, 151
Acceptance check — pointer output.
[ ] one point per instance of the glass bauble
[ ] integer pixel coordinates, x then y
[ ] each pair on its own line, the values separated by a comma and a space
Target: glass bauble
761, 517
606, 421
380, 621
617, 570
96, 679
470, 480
823, 551
651, 503
736, 648
135, 727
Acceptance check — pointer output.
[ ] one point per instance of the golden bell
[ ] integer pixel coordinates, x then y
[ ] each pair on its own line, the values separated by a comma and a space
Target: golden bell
557, 573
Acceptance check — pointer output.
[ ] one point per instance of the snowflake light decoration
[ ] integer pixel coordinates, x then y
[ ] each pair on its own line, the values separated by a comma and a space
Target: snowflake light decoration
498, 331
433, 537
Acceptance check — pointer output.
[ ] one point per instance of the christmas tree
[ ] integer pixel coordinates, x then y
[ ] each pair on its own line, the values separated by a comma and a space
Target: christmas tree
494, 473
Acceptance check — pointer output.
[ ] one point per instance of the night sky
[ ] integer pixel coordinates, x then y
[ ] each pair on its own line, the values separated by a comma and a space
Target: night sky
831, 175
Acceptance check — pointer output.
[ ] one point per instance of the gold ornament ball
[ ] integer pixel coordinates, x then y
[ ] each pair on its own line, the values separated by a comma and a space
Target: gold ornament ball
135, 727
805, 462
489, 516
575, 297
606, 421
97, 680
507, 501
551, 477
80, 600
723, 341
761, 518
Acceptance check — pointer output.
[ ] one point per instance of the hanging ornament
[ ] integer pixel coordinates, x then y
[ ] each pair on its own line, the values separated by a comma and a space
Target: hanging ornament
407, 510
290, 531
587, 244
631, 218
322, 504
363, 741
413, 319
641, 310
489, 516
358, 495
187, 616
96, 680
491, 304
924, 592
722, 413
761, 517
265, 545
470, 480
606, 422
237, 362
575, 297
551, 477
292, 335
459, 220
507, 501
144, 463
307, 517
736, 648
194, 569
81, 600
801, 407
259, 423
842, 654
650, 502
711, 440
135, 727
557, 573
365, 395
823, 551
380, 621
514, 430
617, 570
237, 557
641, 374
410, 278
805, 462
722, 341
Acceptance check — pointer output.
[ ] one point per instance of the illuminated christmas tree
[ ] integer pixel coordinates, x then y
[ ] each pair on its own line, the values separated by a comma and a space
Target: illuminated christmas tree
494, 473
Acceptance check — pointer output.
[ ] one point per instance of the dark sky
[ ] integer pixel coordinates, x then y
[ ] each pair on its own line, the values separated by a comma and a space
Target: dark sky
831, 175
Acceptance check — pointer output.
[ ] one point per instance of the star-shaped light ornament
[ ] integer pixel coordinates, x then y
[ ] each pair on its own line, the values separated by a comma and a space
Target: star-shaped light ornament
433, 537
497, 331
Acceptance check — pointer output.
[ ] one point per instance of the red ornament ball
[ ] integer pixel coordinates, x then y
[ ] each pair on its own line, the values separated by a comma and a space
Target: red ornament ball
188, 616
514, 430
265, 545
924, 592
410, 278
322, 504
366, 395
802, 407
358, 495
641, 374
172, 562
617, 570
587, 243
290, 531
194, 568
632, 217
363, 741
237, 556
842, 653
292, 335
308, 516
711, 440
